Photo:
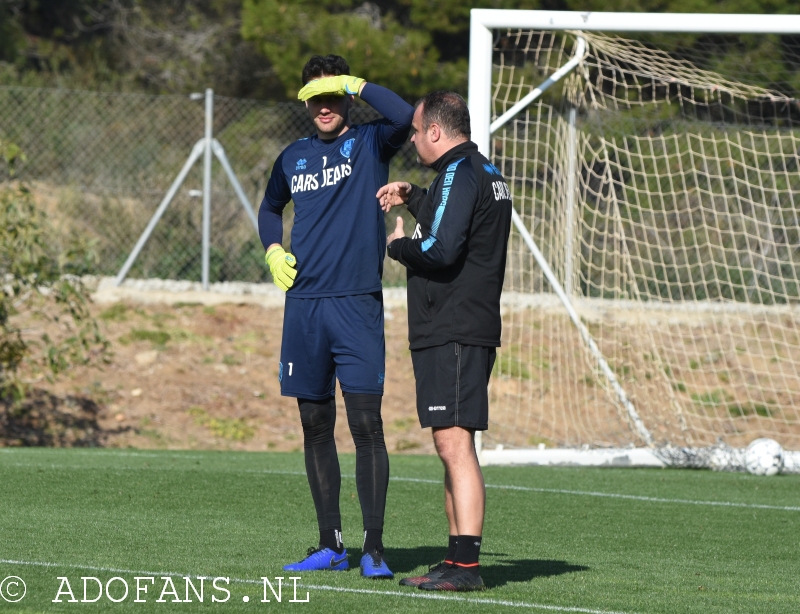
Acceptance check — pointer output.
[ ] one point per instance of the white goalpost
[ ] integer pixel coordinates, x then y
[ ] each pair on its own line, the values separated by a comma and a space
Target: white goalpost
651, 309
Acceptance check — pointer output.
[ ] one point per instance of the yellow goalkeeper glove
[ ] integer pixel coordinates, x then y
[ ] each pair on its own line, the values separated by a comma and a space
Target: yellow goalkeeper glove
331, 86
281, 264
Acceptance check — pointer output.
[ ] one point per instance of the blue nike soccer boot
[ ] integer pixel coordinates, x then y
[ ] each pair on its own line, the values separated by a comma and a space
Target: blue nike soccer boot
320, 559
373, 566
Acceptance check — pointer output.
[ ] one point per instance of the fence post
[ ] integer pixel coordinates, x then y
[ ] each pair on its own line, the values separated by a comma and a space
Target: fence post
207, 184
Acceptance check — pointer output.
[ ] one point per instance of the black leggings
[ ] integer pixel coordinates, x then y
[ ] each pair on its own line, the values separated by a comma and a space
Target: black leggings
322, 464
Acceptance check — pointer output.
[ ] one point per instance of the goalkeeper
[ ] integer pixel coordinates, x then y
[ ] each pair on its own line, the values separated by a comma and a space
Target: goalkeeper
455, 262
333, 314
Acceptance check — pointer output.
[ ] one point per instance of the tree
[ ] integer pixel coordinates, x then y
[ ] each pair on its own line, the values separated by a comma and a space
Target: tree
34, 285
256, 48
376, 44
161, 46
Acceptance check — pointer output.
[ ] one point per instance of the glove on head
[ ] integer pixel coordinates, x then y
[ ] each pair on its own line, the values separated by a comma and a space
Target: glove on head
343, 85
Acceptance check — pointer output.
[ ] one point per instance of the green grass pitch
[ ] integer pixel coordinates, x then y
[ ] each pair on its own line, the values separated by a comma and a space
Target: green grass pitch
556, 539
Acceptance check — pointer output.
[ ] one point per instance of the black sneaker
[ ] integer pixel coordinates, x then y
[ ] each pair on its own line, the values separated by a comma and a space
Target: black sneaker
456, 578
434, 573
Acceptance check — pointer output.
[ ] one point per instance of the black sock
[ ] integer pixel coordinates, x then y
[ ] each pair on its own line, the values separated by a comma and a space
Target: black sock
322, 467
373, 540
468, 550
331, 538
372, 462
451, 549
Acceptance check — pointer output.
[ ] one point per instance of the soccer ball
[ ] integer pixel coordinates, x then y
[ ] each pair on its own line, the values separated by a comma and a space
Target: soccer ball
763, 457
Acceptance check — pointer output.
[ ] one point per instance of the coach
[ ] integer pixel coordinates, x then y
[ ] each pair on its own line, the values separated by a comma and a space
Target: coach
456, 262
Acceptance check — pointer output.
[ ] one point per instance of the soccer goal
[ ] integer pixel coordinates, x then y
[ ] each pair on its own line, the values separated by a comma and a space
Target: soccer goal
652, 293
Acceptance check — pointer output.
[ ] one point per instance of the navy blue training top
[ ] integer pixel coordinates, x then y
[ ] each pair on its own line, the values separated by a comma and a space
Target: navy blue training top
339, 236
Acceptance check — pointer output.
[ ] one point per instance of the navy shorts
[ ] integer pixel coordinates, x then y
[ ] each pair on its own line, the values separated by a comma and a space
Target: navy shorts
452, 385
325, 339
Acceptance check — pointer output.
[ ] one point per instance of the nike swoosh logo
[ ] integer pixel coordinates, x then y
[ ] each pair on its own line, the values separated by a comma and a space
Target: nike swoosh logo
334, 562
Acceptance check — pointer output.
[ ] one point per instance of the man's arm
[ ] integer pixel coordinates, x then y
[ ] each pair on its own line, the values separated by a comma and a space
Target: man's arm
270, 213
397, 112
401, 193
454, 205
270, 228
415, 199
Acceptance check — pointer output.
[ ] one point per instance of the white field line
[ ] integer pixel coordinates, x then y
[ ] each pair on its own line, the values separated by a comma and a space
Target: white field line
322, 587
101, 452
588, 493
556, 491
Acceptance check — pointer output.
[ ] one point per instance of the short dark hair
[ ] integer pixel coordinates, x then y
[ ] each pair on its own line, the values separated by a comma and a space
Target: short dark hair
448, 110
331, 65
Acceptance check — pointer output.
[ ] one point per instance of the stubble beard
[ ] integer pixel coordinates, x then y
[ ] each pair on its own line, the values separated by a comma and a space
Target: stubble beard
421, 162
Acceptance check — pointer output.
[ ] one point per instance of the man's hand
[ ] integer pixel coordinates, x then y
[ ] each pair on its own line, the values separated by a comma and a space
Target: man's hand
398, 231
342, 85
281, 264
393, 194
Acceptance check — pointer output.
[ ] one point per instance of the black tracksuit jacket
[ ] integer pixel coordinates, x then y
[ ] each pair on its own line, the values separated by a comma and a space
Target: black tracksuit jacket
456, 258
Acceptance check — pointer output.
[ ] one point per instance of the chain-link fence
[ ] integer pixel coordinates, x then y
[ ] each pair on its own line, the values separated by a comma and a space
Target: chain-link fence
101, 163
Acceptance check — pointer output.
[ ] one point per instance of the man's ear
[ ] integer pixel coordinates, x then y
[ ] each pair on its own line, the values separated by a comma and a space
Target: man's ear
435, 132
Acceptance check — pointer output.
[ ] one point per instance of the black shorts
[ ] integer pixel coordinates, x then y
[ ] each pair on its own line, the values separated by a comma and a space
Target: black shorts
452, 385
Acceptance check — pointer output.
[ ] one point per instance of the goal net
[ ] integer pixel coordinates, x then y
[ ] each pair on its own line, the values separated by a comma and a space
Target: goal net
660, 180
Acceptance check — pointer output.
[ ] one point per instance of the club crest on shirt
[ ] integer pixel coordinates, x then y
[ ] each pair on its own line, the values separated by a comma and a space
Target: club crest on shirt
347, 148
301, 164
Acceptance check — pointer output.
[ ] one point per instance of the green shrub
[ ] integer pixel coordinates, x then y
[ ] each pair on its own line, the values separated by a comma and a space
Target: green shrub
34, 286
